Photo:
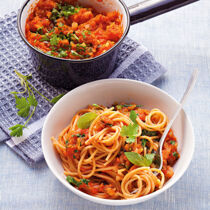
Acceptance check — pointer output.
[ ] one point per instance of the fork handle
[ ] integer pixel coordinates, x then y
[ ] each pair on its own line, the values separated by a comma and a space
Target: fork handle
187, 92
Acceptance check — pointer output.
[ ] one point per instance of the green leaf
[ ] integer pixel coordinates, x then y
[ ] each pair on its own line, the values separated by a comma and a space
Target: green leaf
130, 130
56, 98
96, 105
44, 38
32, 100
175, 154
85, 181
138, 159
130, 140
119, 106
23, 106
16, 130
54, 39
86, 119
149, 133
73, 181
75, 37
76, 54
133, 116
127, 105
83, 34
172, 142
40, 30
63, 54
149, 158
143, 142
81, 48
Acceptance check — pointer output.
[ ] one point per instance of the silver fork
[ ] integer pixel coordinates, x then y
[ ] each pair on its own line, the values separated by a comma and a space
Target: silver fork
158, 156
187, 92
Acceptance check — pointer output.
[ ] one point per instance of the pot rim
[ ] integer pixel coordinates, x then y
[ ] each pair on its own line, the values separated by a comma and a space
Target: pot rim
73, 60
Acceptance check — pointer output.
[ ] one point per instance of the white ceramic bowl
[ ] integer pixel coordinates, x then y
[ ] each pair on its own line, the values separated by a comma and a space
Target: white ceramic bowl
107, 92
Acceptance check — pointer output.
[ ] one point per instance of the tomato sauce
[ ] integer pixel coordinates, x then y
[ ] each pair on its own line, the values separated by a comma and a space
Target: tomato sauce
71, 31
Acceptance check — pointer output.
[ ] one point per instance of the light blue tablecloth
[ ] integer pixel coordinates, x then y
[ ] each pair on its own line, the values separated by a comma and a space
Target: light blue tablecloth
180, 40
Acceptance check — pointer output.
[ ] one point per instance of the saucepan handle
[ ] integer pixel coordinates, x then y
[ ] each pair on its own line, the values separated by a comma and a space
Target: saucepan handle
151, 8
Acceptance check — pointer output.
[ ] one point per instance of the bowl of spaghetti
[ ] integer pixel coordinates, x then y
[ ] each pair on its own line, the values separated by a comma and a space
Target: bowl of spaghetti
102, 144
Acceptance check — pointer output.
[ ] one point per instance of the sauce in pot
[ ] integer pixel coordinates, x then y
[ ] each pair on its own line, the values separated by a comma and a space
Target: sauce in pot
71, 31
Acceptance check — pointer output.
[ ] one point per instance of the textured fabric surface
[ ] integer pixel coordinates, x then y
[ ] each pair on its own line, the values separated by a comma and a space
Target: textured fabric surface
134, 61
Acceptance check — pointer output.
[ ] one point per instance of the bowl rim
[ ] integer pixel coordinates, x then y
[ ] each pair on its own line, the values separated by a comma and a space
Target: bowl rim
109, 201
19, 17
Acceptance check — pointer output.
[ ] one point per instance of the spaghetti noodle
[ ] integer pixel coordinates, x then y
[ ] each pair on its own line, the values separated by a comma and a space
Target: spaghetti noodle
110, 152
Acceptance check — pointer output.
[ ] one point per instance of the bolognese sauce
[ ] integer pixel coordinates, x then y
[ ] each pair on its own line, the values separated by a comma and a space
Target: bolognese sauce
65, 29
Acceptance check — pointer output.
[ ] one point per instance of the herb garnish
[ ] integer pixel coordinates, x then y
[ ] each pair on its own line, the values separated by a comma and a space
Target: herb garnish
120, 106
83, 34
27, 105
130, 131
76, 54
143, 142
86, 119
54, 39
73, 181
140, 160
63, 11
175, 154
172, 142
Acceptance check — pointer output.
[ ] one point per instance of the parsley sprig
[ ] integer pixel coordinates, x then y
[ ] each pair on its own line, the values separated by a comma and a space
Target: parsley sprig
27, 105
130, 131
73, 181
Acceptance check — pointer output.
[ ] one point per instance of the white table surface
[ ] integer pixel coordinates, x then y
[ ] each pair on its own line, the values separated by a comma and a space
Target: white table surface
180, 40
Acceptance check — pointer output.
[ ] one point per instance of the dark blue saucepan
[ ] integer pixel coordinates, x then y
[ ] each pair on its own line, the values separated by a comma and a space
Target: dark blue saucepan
69, 73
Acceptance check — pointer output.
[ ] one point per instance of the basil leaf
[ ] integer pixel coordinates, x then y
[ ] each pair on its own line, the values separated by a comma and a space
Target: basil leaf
86, 119
138, 159
149, 158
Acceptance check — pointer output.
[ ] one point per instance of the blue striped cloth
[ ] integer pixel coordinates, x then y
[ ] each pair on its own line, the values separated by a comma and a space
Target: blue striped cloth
134, 62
